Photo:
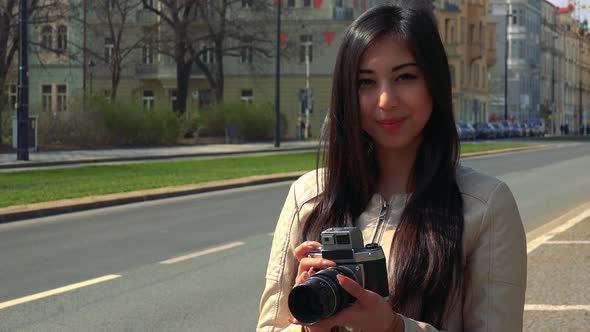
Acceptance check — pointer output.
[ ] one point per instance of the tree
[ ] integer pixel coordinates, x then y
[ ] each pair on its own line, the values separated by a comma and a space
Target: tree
39, 11
113, 19
203, 32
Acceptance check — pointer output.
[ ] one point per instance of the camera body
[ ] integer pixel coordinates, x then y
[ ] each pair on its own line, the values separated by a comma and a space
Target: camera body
321, 296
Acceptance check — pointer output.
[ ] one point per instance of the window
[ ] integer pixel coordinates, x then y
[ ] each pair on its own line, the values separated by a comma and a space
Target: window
148, 3
46, 98
476, 74
11, 92
291, 3
305, 48
462, 73
462, 29
246, 3
452, 34
246, 54
61, 99
484, 79
492, 44
247, 96
514, 21
47, 37
452, 71
207, 54
173, 99
204, 98
480, 41
108, 50
148, 99
306, 3
148, 55
62, 38
471, 34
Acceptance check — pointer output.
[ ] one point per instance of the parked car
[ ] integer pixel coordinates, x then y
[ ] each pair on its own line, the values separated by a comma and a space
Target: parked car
485, 130
501, 131
460, 132
468, 130
519, 129
511, 130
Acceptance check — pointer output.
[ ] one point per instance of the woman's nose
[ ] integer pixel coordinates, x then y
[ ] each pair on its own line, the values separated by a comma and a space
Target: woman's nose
387, 98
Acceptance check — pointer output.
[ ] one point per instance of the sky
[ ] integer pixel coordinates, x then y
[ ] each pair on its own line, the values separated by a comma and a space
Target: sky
584, 13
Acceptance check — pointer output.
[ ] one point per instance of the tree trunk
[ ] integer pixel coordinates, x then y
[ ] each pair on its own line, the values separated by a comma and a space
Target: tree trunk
183, 72
115, 79
220, 86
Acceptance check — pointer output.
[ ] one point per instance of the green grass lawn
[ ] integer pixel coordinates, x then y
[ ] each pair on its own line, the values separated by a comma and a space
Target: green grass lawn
26, 187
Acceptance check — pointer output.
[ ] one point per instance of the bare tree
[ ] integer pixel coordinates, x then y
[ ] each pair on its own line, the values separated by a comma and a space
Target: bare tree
38, 11
114, 20
203, 32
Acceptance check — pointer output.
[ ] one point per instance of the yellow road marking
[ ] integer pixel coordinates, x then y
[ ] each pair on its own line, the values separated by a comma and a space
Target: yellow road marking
203, 252
548, 307
56, 291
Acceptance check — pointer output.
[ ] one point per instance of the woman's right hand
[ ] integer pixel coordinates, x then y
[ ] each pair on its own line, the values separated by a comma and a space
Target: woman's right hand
307, 267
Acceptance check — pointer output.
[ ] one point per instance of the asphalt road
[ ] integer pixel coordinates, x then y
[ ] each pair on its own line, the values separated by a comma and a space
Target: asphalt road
220, 290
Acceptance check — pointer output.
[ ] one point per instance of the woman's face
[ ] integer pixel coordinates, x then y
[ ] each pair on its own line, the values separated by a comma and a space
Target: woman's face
395, 103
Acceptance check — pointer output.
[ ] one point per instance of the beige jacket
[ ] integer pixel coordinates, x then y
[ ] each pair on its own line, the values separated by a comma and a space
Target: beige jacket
494, 249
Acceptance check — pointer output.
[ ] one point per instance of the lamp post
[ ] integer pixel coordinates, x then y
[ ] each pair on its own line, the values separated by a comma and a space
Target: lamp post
554, 53
507, 21
22, 151
278, 79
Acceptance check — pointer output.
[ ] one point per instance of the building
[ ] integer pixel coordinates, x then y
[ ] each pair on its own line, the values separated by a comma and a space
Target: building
55, 59
520, 21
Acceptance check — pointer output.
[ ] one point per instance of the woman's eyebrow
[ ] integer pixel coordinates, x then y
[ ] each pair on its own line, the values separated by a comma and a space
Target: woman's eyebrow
396, 68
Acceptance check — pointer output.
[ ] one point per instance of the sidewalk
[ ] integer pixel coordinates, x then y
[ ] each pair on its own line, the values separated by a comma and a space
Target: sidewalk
57, 158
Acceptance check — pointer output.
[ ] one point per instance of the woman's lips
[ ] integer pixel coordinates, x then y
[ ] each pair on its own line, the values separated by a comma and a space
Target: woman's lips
391, 124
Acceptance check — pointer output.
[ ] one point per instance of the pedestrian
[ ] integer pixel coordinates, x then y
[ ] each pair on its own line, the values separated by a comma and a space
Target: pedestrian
453, 238
301, 128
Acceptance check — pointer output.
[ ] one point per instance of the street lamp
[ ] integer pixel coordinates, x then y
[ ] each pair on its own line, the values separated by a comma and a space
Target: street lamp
22, 151
278, 79
507, 20
553, 106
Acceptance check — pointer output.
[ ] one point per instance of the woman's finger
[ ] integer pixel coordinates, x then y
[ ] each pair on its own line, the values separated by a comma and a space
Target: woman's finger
303, 249
314, 263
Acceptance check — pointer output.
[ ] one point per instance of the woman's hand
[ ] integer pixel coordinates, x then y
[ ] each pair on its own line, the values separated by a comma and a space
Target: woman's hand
370, 312
308, 265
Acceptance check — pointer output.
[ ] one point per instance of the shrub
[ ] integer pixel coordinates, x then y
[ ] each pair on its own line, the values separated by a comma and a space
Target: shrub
254, 122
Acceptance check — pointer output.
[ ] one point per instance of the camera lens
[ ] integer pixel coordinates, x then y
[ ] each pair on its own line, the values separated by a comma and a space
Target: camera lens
320, 296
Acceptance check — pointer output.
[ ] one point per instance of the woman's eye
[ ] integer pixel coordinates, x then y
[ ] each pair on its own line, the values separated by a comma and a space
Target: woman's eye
404, 77
365, 82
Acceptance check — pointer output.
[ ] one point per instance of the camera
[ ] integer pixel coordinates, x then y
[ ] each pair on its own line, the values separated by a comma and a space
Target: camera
321, 296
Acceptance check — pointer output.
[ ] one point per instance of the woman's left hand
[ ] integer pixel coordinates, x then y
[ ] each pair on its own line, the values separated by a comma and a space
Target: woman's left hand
370, 312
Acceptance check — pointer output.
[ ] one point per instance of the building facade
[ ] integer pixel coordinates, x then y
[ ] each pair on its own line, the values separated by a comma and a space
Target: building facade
520, 21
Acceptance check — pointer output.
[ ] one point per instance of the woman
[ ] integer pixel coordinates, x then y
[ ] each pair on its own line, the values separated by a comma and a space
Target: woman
453, 238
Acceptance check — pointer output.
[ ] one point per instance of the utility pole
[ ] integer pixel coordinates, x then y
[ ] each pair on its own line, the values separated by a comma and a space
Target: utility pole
507, 19
554, 54
84, 48
278, 79
307, 88
22, 151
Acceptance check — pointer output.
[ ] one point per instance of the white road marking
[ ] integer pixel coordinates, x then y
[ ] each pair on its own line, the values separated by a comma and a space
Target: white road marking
56, 291
548, 307
569, 242
202, 253
534, 244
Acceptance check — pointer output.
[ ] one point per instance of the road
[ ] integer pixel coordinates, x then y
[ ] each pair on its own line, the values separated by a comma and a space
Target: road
218, 290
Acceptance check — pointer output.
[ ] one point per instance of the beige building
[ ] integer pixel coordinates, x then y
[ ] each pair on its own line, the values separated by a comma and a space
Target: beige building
309, 28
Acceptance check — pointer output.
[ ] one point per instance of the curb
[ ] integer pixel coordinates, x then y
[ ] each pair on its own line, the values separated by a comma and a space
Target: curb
46, 209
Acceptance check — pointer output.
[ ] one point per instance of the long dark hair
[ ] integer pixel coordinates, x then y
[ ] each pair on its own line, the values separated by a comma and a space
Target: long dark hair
427, 246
